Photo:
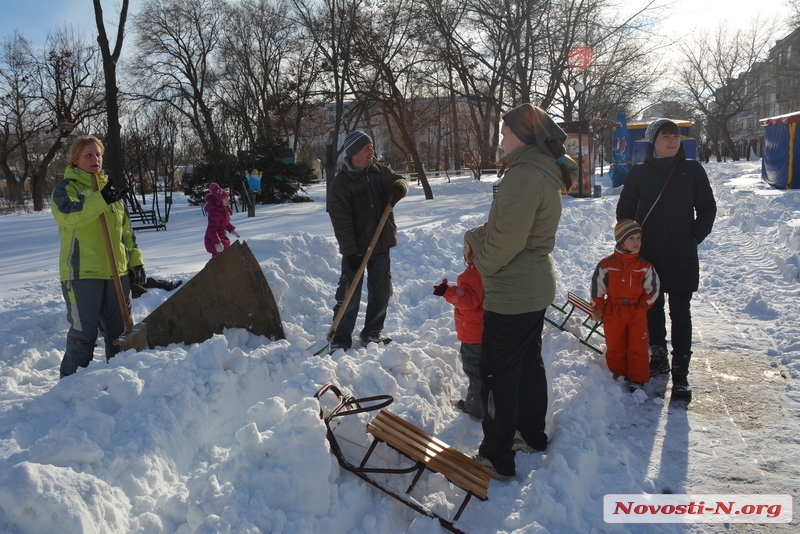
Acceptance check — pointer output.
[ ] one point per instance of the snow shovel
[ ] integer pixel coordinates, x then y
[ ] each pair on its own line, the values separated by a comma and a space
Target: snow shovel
359, 273
134, 337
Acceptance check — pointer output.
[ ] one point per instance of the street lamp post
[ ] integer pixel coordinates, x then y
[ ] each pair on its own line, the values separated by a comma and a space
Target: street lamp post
579, 88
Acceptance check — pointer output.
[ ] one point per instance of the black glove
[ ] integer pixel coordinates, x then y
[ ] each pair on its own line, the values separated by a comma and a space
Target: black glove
397, 190
137, 275
354, 261
111, 195
439, 289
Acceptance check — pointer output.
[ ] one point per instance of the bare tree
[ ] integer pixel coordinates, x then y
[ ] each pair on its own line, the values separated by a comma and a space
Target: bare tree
71, 90
394, 71
793, 7
331, 25
254, 51
113, 154
154, 152
20, 117
174, 64
715, 70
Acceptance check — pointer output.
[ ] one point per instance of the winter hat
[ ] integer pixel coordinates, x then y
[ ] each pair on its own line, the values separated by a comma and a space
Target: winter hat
624, 229
216, 192
475, 237
655, 127
355, 141
533, 126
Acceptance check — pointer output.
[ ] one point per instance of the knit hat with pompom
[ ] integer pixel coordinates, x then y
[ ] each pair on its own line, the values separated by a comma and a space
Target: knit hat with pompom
217, 192
624, 229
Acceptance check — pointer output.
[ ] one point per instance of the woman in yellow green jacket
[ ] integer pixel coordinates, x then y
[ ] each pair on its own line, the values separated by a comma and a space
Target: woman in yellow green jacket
85, 271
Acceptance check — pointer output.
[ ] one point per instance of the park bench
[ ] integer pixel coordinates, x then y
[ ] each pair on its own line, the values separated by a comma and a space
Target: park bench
425, 452
146, 220
589, 325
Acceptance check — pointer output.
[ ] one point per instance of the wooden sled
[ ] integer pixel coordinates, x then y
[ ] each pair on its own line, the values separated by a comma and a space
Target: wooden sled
589, 325
424, 450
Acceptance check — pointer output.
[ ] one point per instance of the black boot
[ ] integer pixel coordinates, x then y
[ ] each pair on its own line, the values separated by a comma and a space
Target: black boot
680, 388
659, 360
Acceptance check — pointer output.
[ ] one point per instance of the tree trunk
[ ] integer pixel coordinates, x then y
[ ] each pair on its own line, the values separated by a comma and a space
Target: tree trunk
113, 153
39, 177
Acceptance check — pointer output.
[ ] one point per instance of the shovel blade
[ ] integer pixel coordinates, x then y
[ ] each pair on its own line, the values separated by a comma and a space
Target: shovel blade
135, 339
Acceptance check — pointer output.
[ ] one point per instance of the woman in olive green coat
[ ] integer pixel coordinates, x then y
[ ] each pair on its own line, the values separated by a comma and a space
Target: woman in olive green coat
519, 285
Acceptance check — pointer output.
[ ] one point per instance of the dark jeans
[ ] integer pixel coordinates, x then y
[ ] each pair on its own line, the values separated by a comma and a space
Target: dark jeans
514, 391
680, 315
471, 359
90, 302
379, 290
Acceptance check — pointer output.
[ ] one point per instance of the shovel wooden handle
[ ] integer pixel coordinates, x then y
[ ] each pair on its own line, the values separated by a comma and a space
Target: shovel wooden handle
112, 261
360, 272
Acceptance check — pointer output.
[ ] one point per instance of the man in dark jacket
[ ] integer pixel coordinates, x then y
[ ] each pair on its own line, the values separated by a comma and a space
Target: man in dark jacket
671, 198
359, 194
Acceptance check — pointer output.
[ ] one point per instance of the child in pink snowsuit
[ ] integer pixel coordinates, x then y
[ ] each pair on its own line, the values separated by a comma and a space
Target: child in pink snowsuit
219, 220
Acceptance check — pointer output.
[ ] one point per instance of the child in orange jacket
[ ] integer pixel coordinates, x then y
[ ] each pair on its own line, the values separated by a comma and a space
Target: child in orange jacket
624, 286
467, 297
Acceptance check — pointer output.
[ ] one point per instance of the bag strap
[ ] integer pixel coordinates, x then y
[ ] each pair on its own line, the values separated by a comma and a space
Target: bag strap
659, 196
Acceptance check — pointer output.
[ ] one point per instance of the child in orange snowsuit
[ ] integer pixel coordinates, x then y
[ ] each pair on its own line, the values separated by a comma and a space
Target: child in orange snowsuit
467, 297
624, 286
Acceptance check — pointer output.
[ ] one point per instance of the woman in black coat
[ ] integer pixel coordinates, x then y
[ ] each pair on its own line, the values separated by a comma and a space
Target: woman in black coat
671, 198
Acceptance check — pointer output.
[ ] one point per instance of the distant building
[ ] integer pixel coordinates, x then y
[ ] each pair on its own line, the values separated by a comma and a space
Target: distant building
777, 84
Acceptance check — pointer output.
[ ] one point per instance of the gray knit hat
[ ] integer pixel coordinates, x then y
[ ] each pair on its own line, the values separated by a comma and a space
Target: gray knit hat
655, 127
355, 141
475, 237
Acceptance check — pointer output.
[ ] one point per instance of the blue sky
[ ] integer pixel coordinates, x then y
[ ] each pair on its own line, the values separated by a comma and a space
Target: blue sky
34, 18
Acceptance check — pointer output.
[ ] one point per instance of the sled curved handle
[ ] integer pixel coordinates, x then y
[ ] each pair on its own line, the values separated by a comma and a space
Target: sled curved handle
345, 401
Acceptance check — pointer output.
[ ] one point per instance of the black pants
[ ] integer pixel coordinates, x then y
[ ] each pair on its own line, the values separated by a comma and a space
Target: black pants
514, 391
379, 291
680, 315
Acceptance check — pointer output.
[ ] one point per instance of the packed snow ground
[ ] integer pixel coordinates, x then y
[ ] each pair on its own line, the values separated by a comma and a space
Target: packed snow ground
225, 436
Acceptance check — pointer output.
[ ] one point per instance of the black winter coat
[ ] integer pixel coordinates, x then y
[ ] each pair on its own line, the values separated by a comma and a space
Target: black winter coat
357, 199
680, 220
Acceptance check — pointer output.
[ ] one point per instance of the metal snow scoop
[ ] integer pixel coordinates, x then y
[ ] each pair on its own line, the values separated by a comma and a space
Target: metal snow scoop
231, 291
359, 273
134, 337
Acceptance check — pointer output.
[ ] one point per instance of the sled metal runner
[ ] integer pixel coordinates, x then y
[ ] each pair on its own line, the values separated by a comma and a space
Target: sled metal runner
437, 457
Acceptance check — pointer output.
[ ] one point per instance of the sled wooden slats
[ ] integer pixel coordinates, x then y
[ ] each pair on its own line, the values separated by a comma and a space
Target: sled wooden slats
581, 304
574, 302
431, 453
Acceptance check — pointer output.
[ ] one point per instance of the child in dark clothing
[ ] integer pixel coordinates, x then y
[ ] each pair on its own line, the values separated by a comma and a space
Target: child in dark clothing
624, 286
467, 297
